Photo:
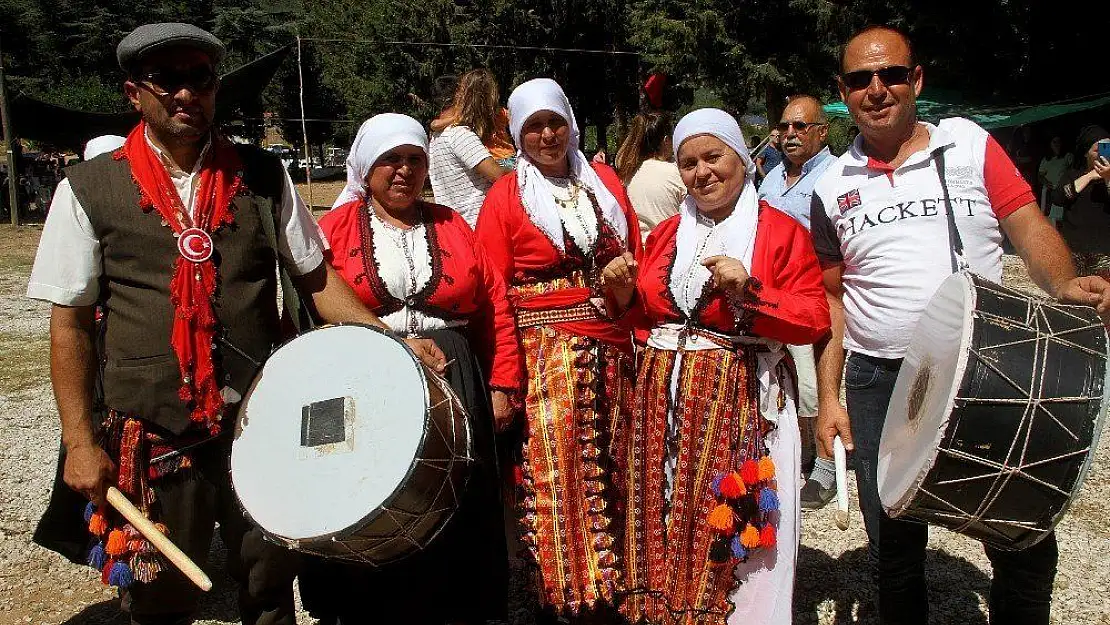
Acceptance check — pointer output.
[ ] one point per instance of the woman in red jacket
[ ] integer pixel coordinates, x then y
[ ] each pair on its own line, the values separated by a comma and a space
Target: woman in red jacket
549, 230
712, 458
418, 266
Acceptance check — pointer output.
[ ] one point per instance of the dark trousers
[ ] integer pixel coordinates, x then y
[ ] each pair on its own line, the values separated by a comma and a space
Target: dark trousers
190, 504
1021, 588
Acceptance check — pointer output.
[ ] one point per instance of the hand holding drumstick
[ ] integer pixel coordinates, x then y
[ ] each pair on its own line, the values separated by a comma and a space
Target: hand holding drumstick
135, 517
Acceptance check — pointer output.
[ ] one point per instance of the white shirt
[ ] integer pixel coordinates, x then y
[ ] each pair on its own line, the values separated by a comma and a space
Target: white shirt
453, 155
889, 228
579, 217
404, 263
687, 283
656, 191
69, 260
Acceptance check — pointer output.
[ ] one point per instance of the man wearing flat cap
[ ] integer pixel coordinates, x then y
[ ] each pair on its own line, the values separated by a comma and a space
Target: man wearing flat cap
176, 238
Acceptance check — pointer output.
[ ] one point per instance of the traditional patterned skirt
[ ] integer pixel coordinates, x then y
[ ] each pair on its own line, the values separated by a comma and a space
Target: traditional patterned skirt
696, 475
578, 397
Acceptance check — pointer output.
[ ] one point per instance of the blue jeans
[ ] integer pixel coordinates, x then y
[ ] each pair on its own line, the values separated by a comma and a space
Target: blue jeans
1021, 588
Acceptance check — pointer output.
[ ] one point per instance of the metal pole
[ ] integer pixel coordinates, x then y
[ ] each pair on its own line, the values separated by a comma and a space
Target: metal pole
304, 125
9, 141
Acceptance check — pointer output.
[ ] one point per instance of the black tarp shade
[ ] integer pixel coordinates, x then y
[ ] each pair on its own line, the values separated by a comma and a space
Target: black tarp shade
69, 128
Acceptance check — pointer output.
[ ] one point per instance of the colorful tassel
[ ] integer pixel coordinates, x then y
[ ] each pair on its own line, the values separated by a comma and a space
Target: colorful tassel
767, 536
721, 519
750, 537
144, 568
749, 472
117, 543
98, 525
732, 487
106, 571
97, 557
768, 500
120, 575
766, 468
89, 510
738, 550
715, 485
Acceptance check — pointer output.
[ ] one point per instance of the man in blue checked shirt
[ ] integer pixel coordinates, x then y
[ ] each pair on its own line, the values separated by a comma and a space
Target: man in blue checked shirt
789, 187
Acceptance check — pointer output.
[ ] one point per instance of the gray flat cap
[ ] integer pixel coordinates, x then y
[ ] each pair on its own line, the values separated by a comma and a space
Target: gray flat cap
151, 37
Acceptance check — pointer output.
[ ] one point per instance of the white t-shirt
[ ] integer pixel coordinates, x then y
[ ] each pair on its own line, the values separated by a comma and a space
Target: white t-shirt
453, 154
656, 191
889, 229
68, 262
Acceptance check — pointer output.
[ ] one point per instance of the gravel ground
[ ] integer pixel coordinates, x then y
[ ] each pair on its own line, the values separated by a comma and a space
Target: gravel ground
833, 587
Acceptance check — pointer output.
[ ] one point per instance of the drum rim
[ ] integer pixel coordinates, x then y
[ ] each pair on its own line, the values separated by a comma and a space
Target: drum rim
897, 508
299, 544
1096, 437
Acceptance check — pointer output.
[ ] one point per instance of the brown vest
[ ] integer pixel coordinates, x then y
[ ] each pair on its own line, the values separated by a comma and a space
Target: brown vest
140, 371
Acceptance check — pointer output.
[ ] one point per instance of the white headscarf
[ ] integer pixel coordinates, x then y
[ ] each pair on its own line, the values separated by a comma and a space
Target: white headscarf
735, 235
377, 135
104, 143
544, 94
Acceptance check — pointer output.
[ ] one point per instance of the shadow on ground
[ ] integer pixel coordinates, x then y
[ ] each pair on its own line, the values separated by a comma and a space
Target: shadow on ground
219, 604
844, 586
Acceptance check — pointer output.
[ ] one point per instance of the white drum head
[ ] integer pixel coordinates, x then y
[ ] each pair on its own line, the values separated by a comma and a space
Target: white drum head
328, 431
925, 392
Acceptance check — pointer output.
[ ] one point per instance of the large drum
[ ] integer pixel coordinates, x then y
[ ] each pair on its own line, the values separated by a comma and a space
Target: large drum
996, 413
347, 446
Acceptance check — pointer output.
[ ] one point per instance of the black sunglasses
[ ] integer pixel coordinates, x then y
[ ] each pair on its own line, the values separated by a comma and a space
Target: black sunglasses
162, 82
892, 75
798, 126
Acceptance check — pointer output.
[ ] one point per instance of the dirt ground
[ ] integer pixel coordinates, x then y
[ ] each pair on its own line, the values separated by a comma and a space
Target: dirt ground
833, 584
322, 195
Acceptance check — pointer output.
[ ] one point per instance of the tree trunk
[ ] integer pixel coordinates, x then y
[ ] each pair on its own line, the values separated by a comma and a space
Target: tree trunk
774, 100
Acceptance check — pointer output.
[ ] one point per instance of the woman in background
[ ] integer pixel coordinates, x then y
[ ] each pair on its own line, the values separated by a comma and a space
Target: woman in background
645, 164
468, 141
1051, 173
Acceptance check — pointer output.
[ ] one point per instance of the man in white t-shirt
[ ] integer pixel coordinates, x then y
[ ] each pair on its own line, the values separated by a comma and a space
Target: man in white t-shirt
880, 228
462, 171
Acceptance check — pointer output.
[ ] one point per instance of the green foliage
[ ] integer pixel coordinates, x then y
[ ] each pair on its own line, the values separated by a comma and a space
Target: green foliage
840, 135
742, 56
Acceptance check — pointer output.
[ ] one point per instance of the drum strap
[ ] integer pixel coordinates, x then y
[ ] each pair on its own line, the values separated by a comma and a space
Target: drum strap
298, 313
956, 244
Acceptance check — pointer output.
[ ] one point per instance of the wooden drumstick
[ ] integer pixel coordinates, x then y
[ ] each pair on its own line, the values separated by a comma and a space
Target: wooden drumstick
120, 502
840, 458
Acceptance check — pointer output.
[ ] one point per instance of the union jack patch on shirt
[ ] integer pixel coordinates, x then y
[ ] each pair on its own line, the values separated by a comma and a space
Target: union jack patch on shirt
849, 200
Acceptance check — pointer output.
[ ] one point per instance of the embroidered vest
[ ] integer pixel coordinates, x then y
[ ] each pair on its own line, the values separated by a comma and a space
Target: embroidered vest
140, 371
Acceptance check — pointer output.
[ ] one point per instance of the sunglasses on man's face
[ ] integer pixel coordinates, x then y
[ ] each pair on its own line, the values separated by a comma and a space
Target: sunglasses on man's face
162, 82
799, 126
892, 75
